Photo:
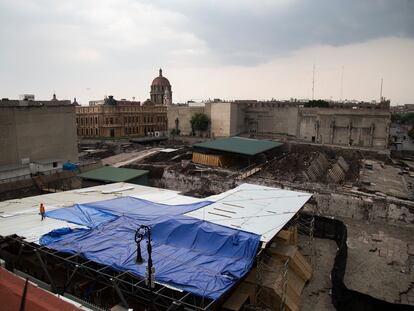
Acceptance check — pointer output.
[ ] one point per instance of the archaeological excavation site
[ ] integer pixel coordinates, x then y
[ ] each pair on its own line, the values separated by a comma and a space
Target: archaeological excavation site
233, 224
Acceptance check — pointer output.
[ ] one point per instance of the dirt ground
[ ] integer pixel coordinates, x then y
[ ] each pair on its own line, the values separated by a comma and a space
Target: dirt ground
316, 294
380, 263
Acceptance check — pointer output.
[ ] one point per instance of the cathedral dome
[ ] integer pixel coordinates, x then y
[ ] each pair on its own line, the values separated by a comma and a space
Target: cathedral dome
161, 81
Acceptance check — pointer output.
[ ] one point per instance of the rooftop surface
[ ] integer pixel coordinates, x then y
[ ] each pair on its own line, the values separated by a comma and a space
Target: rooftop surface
239, 145
254, 213
252, 208
33, 103
113, 174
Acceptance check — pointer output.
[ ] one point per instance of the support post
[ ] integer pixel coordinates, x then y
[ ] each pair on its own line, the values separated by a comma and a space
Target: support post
42, 263
120, 295
67, 284
19, 256
23, 301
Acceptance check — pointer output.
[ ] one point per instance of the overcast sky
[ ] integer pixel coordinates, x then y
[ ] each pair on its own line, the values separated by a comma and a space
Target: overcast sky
229, 49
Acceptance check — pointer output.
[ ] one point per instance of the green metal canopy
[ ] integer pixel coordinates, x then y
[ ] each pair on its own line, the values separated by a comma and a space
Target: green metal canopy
113, 174
240, 145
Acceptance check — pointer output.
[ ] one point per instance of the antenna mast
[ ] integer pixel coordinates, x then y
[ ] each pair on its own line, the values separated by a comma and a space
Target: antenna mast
381, 90
342, 82
313, 82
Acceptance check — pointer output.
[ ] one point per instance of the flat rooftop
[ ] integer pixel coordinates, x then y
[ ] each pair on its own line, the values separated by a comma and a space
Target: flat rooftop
33, 103
113, 174
239, 145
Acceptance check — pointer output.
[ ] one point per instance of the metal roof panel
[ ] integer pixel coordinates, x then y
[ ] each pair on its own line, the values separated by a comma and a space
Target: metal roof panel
240, 145
113, 174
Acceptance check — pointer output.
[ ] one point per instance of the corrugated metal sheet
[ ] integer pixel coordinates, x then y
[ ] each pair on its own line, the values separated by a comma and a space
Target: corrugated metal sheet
208, 159
253, 208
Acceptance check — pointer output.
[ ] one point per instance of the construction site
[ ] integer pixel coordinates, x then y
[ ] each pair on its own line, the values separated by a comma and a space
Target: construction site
228, 224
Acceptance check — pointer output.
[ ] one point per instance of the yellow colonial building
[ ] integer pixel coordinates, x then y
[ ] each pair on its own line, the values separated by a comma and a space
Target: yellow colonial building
123, 118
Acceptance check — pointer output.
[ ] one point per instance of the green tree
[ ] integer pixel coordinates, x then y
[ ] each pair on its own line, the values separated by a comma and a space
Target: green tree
317, 103
403, 118
199, 122
175, 132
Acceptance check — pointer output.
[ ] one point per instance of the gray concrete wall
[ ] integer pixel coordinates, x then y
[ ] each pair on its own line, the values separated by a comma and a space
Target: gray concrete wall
227, 118
346, 127
37, 133
275, 118
363, 127
184, 115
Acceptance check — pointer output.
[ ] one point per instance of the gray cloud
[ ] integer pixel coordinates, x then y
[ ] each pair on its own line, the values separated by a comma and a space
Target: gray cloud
112, 46
249, 32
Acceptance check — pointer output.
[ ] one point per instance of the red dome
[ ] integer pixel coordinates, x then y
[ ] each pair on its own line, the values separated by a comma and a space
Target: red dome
160, 80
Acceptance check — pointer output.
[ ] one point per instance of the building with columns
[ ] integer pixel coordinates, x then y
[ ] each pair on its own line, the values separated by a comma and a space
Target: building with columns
112, 118
356, 124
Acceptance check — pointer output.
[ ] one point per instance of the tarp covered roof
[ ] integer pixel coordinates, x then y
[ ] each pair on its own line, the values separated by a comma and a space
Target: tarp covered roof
190, 254
238, 218
113, 174
21, 216
240, 145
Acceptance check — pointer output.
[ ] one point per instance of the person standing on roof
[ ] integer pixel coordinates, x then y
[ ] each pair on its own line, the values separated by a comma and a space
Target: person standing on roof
42, 211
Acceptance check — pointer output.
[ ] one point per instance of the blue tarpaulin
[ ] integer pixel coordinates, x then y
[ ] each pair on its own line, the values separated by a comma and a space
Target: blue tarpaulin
70, 166
190, 254
95, 213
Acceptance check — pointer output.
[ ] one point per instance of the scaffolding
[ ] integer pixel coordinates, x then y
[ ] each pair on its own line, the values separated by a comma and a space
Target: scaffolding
277, 268
266, 264
305, 226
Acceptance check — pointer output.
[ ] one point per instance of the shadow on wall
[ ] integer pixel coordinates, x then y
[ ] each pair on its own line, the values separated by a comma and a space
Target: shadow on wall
344, 298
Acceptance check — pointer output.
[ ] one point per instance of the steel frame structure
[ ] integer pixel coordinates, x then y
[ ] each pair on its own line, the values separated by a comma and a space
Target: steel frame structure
126, 285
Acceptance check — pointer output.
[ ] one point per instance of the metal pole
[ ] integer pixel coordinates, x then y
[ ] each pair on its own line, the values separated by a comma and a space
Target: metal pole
52, 284
23, 301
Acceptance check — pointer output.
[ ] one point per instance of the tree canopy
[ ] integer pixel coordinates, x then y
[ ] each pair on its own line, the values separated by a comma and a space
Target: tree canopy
317, 103
403, 118
199, 122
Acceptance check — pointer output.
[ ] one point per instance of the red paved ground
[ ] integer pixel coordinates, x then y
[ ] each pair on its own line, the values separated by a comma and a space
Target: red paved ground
11, 291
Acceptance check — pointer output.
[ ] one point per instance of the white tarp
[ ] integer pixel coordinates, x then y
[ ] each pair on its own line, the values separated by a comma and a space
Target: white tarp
253, 208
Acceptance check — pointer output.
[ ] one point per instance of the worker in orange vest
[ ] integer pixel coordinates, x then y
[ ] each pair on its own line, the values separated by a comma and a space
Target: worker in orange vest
42, 211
